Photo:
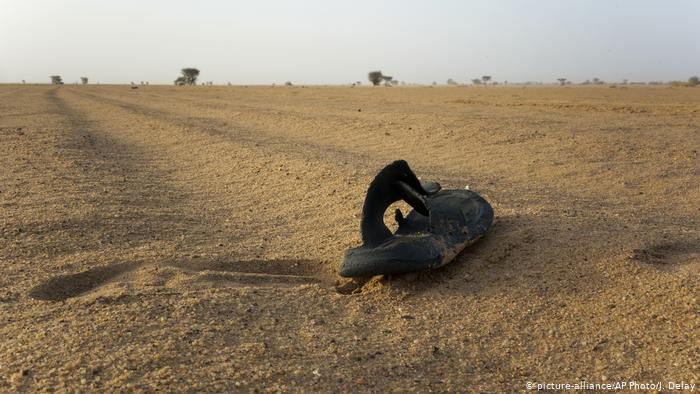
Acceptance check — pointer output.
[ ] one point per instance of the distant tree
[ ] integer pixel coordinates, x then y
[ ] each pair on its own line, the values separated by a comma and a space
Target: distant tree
476, 81
229, 83
56, 80
694, 81
625, 81
189, 76
180, 81
23, 82
288, 83
358, 83
388, 80
375, 77
562, 81
434, 83
486, 79
451, 82
597, 81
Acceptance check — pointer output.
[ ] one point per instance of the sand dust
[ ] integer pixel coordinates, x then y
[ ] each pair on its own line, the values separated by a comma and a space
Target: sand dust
188, 239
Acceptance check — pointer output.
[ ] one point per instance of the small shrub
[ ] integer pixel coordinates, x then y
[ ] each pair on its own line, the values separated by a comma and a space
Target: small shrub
388, 80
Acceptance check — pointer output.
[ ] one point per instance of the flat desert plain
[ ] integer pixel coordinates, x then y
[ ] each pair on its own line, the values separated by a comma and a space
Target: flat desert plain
188, 238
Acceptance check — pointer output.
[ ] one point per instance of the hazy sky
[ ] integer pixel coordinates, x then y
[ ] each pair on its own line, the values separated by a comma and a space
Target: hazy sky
318, 42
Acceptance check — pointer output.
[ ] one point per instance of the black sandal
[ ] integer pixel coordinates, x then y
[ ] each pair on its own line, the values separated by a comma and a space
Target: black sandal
441, 224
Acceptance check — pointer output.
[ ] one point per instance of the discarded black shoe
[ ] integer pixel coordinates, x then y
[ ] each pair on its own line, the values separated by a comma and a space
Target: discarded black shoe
441, 224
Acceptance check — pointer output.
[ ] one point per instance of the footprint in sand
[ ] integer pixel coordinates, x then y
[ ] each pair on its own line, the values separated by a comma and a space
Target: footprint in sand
189, 275
668, 254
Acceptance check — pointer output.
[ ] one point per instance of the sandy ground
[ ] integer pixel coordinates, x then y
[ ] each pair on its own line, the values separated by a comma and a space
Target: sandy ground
188, 239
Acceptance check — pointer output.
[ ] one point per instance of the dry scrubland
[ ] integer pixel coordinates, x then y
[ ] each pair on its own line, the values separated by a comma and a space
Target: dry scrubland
188, 238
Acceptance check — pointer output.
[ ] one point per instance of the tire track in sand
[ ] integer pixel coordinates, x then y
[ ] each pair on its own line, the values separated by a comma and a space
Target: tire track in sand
149, 198
350, 160
275, 192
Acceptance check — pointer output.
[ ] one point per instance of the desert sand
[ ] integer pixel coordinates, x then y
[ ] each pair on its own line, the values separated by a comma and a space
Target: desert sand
186, 239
